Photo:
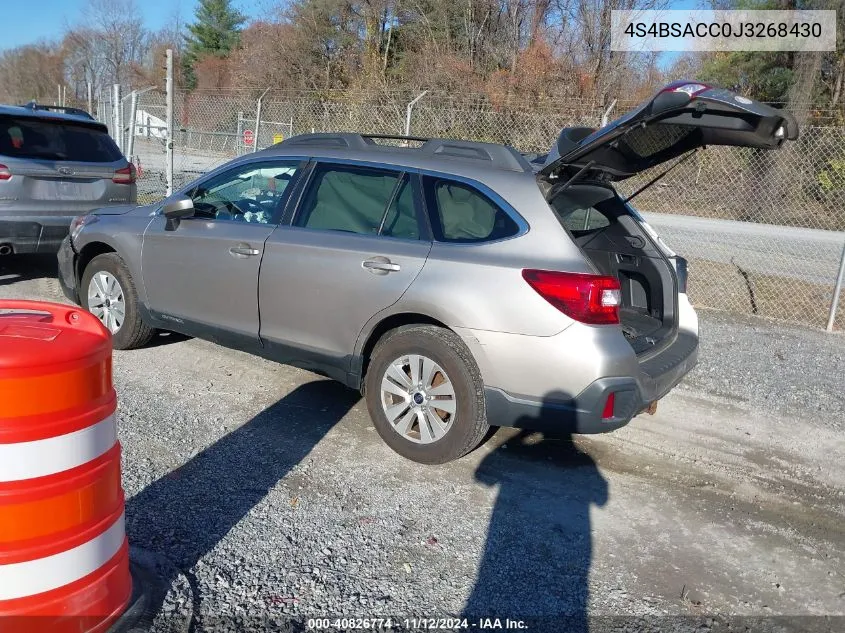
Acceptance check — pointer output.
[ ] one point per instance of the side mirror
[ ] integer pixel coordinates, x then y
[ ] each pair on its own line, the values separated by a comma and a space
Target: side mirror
176, 209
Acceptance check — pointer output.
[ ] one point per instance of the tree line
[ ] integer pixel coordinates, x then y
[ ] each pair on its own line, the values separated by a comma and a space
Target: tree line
531, 50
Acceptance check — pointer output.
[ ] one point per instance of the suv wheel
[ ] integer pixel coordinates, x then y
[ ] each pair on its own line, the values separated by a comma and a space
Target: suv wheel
425, 395
108, 292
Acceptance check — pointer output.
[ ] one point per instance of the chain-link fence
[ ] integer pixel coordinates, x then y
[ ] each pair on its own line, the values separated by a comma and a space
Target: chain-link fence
763, 231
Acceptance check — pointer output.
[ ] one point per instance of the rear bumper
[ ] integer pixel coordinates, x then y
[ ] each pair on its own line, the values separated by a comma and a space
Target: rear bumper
581, 414
34, 234
561, 383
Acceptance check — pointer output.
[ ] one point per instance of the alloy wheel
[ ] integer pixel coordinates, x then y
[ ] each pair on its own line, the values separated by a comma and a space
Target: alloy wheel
418, 398
106, 300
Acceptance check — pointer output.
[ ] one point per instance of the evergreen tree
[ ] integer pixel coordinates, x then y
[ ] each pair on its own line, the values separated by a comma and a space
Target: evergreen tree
216, 32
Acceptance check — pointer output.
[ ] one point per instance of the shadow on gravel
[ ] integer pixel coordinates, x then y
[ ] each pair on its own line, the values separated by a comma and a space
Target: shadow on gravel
16, 268
535, 566
164, 337
187, 512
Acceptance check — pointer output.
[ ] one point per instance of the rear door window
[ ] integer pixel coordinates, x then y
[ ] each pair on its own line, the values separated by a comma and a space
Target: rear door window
360, 200
21, 137
401, 219
461, 213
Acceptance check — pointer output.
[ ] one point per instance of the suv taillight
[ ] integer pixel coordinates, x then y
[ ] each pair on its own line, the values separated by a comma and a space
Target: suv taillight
593, 299
125, 176
5, 174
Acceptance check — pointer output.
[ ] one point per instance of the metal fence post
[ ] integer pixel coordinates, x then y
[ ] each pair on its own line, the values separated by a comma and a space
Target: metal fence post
117, 127
168, 160
606, 115
239, 134
834, 304
258, 121
408, 112
133, 112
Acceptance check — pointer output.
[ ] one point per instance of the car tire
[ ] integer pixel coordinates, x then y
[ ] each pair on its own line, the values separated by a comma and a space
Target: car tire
132, 332
454, 383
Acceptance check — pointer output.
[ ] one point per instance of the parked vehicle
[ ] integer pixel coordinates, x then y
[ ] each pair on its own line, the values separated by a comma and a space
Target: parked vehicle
457, 284
55, 166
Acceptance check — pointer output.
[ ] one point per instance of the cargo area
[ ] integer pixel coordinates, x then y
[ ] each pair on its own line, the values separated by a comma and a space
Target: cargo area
617, 245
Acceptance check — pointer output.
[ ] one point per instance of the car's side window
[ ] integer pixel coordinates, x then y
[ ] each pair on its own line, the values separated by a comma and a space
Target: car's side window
461, 213
401, 219
360, 200
248, 193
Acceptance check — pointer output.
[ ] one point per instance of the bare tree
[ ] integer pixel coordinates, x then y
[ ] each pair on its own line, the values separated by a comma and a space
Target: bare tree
119, 38
31, 72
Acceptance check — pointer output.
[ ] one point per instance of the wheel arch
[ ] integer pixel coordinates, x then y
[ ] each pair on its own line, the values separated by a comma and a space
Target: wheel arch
368, 340
88, 253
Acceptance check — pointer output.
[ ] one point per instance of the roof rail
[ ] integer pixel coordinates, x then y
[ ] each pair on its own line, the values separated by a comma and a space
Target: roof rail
397, 137
341, 140
498, 156
32, 105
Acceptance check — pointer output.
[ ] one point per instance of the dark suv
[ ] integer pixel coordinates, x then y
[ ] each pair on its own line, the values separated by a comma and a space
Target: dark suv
53, 167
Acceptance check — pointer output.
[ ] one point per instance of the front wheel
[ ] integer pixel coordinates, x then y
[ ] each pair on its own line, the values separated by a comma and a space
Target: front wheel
108, 292
425, 394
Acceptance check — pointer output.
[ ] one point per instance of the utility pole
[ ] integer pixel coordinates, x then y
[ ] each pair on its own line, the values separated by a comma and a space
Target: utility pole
169, 123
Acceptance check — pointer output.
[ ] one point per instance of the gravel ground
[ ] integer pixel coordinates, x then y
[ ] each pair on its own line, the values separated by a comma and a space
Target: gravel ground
772, 367
272, 499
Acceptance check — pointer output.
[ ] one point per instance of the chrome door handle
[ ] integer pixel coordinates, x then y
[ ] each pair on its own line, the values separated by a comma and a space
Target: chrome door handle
381, 266
243, 250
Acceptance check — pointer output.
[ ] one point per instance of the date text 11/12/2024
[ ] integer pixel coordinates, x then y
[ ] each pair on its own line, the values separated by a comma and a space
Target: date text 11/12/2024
414, 624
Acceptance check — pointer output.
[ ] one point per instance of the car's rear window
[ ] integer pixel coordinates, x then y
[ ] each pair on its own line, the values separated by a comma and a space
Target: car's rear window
583, 209
48, 140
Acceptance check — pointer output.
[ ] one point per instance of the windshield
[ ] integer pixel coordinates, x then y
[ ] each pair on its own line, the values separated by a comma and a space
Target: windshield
55, 140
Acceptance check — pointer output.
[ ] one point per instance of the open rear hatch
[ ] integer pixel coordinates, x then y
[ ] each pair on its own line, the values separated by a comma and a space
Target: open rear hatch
683, 117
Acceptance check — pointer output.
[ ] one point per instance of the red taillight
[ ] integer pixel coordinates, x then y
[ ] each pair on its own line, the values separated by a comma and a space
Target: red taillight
608, 406
125, 176
593, 299
5, 174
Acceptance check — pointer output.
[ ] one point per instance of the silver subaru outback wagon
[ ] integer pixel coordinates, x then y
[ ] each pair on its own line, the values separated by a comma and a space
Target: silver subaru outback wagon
458, 285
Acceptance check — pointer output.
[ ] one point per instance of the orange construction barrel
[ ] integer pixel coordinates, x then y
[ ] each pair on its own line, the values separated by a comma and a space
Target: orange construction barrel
64, 556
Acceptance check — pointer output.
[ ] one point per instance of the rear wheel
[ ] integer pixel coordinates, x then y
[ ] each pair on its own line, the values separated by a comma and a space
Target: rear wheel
108, 292
425, 395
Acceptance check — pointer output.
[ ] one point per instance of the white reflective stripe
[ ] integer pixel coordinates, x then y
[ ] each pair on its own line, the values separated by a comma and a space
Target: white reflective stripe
19, 580
27, 460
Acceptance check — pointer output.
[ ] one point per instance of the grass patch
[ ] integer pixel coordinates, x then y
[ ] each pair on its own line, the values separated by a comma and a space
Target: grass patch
722, 286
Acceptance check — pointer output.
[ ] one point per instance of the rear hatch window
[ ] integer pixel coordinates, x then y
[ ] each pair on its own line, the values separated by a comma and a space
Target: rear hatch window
22, 137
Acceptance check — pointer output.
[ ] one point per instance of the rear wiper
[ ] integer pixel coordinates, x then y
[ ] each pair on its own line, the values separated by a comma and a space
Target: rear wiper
659, 176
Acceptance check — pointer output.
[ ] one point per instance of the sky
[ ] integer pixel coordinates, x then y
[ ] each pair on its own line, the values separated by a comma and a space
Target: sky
28, 22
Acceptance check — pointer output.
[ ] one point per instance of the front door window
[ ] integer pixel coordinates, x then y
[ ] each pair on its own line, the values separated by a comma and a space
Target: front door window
249, 193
